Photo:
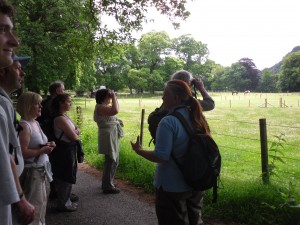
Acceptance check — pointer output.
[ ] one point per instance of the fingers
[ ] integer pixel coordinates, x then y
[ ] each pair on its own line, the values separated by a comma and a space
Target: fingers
135, 145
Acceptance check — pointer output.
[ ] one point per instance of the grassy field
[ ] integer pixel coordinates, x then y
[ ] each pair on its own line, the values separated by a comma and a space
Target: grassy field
235, 126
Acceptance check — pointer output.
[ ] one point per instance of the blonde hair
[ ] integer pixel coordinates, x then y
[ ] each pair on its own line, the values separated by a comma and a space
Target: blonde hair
25, 103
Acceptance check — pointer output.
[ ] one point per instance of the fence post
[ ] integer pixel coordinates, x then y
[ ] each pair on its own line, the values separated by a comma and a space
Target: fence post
142, 127
264, 150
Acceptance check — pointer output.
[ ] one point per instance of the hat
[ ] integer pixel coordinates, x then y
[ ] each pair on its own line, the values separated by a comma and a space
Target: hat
22, 59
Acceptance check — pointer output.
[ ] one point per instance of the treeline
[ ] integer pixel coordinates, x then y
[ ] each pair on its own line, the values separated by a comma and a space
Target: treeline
70, 42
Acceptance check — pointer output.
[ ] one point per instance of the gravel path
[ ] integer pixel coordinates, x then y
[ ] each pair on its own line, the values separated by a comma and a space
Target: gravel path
130, 207
95, 208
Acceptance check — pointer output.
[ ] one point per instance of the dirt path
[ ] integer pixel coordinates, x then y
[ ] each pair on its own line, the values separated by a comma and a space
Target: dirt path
133, 206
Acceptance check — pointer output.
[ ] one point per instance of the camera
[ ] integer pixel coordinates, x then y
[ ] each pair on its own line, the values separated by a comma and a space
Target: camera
42, 145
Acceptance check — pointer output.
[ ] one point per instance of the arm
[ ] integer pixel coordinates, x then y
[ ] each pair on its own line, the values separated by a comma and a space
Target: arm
24, 138
25, 209
62, 123
207, 103
145, 154
110, 111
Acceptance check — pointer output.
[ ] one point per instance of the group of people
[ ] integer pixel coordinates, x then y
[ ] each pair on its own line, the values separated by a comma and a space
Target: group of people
176, 202
28, 160
25, 151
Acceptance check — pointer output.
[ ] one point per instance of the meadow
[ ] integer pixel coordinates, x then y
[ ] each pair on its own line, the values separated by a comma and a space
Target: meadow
234, 123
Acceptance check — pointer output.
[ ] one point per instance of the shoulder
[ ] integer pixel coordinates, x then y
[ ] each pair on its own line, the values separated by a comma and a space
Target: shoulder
3, 116
59, 118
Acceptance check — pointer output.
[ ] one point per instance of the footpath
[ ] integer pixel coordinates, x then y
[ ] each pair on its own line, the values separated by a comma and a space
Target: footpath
132, 206
96, 208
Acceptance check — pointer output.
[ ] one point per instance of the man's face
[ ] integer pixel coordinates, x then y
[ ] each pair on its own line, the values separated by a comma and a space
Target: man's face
13, 77
7, 41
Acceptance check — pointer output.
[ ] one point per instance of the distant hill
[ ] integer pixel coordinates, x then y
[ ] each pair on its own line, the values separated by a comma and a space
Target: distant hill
276, 68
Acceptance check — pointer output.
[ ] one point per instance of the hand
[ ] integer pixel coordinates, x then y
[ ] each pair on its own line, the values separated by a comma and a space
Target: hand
26, 211
198, 83
51, 144
47, 149
136, 146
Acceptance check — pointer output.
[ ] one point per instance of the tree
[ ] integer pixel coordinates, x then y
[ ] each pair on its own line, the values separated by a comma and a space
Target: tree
59, 37
136, 80
155, 81
170, 66
190, 50
129, 16
154, 47
267, 81
236, 77
252, 73
290, 73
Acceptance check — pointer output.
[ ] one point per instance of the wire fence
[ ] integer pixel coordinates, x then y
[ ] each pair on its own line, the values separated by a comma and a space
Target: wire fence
241, 149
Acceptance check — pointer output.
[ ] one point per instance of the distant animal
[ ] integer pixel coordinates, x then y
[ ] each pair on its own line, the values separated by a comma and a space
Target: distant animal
246, 92
235, 92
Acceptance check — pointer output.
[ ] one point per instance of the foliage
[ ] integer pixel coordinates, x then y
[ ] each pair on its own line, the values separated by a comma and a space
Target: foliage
236, 78
252, 73
154, 47
59, 38
275, 148
290, 73
267, 81
190, 50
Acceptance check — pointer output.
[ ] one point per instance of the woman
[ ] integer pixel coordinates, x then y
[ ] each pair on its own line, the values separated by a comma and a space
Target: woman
176, 202
35, 149
109, 132
64, 157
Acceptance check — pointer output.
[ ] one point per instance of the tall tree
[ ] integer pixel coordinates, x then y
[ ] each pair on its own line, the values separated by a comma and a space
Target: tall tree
190, 50
236, 78
154, 47
267, 81
59, 37
252, 73
290, 73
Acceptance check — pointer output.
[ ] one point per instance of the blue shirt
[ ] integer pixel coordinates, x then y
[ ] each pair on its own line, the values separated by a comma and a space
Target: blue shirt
171, 137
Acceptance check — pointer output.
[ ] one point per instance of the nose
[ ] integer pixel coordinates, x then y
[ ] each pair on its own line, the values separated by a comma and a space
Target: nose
12, 40
22, 73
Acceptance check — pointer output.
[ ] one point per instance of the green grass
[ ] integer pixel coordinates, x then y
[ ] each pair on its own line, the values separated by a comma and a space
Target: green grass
235, 127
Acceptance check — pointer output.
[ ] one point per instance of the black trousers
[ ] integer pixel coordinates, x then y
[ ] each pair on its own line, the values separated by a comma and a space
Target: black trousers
183, 208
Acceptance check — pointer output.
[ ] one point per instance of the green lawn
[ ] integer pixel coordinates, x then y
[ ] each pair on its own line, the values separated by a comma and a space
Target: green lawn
235, 127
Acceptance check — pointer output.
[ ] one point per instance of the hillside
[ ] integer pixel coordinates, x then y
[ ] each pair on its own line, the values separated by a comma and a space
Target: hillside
276, 68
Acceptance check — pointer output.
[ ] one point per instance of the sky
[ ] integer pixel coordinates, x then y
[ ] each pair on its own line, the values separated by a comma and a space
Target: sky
262, 30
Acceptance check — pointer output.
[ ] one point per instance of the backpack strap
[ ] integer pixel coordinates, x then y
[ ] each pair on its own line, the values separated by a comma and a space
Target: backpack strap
62, 132
180, 117
184, 123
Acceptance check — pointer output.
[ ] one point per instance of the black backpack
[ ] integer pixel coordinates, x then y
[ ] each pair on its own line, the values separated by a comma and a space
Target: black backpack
153, 120
202, 162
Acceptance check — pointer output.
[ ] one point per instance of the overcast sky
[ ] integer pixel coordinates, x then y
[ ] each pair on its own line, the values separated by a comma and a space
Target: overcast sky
263, 30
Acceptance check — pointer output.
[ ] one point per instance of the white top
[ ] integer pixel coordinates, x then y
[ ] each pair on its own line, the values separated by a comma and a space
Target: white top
36, 138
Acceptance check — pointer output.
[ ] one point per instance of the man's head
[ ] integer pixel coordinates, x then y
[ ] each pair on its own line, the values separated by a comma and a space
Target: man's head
11, 77
56, 87
8, 40
182, 75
